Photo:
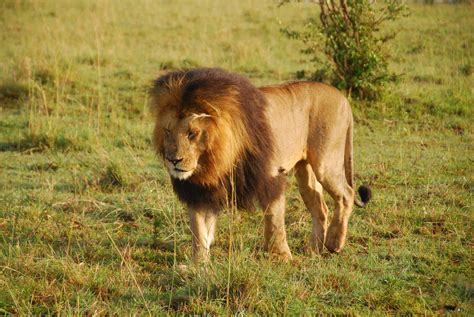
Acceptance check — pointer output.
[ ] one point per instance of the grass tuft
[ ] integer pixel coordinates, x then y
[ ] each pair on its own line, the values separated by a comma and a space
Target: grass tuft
44, 76
114, 176
466, 69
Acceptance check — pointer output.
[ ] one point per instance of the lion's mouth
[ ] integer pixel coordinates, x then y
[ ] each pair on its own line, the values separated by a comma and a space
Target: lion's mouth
179, 173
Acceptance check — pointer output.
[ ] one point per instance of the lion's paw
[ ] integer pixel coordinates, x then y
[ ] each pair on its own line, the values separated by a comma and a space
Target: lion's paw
283, 254
282, 257
335, 241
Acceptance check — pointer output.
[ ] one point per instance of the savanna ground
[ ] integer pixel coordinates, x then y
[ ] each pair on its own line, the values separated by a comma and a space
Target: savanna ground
88, 220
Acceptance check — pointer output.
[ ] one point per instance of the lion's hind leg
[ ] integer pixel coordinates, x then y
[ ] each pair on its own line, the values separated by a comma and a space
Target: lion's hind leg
330, 173
343, 196
312, 193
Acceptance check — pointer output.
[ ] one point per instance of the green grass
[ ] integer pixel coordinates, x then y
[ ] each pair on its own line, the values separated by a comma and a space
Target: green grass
88, 220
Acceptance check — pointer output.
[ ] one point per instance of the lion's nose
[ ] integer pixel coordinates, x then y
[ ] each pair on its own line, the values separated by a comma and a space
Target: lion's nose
175, 160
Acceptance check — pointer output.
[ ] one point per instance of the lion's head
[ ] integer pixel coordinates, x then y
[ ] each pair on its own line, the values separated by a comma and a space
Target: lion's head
209, 127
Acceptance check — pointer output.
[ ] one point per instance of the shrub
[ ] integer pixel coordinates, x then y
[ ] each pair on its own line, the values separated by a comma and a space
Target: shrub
354, 56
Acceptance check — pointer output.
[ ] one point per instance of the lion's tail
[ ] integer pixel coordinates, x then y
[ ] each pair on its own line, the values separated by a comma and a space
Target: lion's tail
364, 191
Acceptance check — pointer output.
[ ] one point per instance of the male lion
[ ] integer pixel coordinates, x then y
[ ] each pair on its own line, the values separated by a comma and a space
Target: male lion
225, 141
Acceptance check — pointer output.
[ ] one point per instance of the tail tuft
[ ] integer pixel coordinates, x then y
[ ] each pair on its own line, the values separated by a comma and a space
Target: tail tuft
365, 194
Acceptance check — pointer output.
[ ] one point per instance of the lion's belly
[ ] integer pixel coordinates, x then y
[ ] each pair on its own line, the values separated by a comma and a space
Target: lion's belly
290, 130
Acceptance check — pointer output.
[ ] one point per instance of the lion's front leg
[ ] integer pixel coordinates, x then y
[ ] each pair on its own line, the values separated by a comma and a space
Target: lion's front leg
274, 231
203, 226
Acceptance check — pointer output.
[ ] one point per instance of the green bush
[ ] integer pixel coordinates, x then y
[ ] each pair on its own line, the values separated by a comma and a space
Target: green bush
354, 56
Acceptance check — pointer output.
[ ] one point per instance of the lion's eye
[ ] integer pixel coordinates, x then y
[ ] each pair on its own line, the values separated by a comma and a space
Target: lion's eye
191, 135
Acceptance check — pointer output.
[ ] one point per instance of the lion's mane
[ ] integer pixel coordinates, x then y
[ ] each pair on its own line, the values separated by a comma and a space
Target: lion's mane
236, 165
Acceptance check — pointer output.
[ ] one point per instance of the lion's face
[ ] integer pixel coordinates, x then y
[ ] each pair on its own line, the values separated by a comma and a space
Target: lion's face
184, 139
200, 131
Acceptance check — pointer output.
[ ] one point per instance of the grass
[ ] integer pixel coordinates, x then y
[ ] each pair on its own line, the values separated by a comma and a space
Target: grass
88, 220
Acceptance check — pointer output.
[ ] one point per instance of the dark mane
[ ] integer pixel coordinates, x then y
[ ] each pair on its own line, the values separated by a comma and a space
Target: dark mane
251, 174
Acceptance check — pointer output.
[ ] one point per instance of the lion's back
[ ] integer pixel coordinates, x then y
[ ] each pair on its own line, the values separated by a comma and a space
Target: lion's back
305, 115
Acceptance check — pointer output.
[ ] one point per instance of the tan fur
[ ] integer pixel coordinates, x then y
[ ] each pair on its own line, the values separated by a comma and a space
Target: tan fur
311, 123
311, 127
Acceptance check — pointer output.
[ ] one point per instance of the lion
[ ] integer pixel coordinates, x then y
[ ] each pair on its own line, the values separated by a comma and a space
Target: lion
225, 141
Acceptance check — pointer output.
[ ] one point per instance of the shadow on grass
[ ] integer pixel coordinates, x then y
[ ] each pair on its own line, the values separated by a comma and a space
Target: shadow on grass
12, 91
32, 142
